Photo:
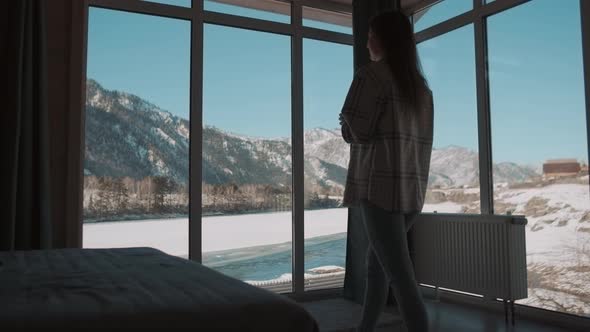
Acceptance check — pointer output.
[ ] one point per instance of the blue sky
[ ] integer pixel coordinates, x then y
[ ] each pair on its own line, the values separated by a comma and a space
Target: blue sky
536, 85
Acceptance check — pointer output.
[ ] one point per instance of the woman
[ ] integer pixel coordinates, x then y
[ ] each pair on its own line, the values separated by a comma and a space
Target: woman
387, 117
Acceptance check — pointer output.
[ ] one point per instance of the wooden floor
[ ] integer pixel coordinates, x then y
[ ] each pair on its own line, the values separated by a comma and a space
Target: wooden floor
339, 315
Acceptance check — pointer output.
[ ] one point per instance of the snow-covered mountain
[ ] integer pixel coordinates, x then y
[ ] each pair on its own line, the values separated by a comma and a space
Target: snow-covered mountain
128, 136
455, 166
506, 172
451, 166
327, 145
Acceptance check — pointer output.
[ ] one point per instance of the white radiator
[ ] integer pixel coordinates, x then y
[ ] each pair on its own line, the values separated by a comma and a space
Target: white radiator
479, 254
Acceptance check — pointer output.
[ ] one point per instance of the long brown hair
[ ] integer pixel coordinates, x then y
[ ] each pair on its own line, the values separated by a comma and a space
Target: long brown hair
396, 36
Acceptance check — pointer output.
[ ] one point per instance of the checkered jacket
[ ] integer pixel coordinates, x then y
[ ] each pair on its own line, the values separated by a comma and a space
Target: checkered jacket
390, 143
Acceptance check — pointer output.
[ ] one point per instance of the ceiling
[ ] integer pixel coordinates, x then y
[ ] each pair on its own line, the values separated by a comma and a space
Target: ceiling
329, 11
404, 3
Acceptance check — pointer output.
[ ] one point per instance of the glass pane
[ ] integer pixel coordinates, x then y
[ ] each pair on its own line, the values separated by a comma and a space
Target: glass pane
539, 143
137, 132
247, 175
182, 3
327, 73
440, 12
327, 20
268, 10
449, 67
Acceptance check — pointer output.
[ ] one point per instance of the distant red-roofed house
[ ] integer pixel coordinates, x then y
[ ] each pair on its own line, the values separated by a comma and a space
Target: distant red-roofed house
561, 167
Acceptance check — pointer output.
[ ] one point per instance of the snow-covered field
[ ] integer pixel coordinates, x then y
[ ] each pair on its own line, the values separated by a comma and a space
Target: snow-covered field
555, 226
558, 245
446, 207
219, 233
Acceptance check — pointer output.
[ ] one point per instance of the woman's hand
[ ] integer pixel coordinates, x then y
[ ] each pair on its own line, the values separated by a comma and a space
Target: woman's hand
345, 130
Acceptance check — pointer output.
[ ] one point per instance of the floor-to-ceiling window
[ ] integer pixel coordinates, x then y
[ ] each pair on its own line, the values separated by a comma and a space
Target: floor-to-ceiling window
327, 72
136, 167
539, 144
136, 188
531, 90
247, 169
448, 62
147, 89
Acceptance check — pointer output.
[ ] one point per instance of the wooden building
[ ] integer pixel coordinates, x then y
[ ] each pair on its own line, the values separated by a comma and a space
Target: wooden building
561, 167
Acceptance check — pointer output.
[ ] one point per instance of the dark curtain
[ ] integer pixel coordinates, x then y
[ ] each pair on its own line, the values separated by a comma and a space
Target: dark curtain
356, 245
66, 37
25, 216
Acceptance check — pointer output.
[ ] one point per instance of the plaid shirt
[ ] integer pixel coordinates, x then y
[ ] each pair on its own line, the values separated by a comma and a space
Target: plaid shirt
390, 143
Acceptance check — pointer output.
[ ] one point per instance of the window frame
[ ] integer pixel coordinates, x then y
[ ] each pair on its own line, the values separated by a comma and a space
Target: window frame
198, 17
478, 16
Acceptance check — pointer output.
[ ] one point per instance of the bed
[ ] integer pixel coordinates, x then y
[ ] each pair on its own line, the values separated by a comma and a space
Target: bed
135, 287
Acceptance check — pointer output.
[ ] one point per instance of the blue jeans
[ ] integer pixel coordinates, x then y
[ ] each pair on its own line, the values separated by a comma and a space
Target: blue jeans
389, 265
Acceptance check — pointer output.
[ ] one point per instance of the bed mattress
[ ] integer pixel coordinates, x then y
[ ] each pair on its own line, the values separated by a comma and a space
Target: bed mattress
135, 287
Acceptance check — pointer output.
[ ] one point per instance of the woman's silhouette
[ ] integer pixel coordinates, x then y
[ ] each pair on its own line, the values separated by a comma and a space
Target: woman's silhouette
387, 118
